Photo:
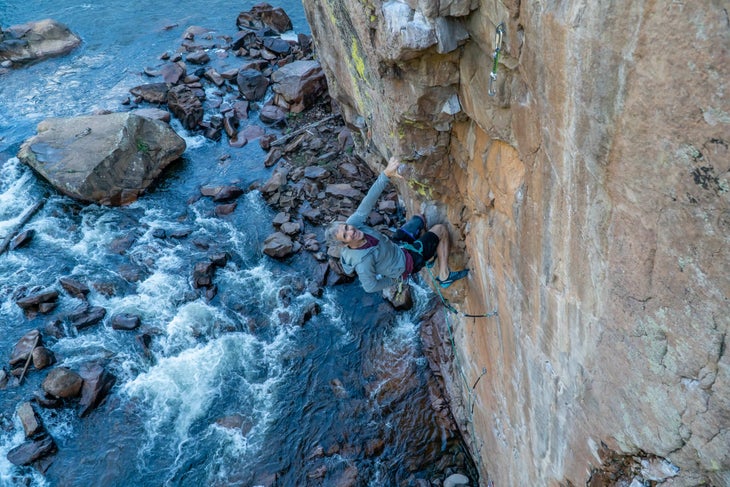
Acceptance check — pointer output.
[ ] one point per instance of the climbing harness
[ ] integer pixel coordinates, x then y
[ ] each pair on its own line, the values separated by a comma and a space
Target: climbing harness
499, 34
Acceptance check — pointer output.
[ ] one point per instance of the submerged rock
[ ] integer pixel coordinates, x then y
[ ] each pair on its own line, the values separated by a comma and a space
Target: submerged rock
107, 159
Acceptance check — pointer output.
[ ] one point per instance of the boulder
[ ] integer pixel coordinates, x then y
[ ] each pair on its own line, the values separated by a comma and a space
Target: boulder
107, 159
172, 73
186, 106
221, 193
401, 300
125, 321
291, 228
316, 172
97, 383
62, 383
34, 301
263, 15
271, 114
29, 419
24, 347
154, 114
225, 209
198, 57
277, 45
252, 132
300, 84
278, 245
203, 274
151, 92
343, 190
74, 287
245, 40
35, 41
30, 451
252, 84
87, 317
42, 358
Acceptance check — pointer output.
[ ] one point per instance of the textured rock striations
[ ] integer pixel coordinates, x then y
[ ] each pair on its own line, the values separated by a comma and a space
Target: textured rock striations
590, 197
107, 159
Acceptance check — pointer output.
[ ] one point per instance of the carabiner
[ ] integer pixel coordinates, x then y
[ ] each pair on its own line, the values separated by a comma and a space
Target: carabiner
498, 37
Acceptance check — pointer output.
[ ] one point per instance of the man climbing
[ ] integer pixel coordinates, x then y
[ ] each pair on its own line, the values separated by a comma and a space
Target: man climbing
379, 261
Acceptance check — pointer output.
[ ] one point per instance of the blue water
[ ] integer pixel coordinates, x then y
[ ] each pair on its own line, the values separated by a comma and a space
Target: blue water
311, 400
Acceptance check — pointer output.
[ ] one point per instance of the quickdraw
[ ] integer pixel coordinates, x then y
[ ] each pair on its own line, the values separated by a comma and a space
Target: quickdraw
499, 35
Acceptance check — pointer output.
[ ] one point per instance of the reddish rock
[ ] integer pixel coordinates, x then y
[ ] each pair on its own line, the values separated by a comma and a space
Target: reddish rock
42, 358
226, 209
97, 384
343, 190
278, 245
172, 73
198, 57
300, 83
87, 317
24, 347
62, 383
264, 15
74, 287
186, 106
271, 114
151, 92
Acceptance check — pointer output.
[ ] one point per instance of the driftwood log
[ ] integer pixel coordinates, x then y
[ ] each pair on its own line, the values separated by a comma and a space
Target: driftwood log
23, 220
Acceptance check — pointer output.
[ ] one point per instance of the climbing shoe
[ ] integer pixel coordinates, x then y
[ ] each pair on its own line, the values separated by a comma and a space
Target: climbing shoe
429, 263
453, 277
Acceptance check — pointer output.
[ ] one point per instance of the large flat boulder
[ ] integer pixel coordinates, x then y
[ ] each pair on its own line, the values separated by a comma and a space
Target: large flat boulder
35, 41
300, 84
107, 159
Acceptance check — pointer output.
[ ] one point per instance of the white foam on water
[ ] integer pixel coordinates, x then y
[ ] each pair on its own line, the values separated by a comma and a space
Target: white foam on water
9, 473
192, 142
15, 196
180, 390
193, 322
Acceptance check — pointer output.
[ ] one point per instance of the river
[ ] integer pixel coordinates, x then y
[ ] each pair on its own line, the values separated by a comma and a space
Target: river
343, 398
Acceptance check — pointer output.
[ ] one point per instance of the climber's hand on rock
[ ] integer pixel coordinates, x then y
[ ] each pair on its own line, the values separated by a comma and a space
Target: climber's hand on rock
392, 168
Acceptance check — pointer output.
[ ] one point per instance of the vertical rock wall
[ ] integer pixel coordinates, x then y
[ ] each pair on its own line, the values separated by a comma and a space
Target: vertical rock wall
591, 199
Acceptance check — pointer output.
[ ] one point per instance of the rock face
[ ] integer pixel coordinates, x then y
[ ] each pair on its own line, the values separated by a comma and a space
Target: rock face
590, 198
106, 159
35, 41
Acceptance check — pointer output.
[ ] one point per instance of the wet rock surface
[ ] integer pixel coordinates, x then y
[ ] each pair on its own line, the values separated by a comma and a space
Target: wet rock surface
108, 159
35, 41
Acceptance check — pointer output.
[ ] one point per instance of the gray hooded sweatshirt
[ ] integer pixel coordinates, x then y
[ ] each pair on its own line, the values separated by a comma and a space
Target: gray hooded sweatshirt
380, 266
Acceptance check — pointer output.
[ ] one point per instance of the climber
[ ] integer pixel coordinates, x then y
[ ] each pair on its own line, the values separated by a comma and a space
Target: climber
380, 262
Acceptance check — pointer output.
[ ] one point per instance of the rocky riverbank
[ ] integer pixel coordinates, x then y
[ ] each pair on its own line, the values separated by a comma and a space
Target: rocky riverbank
316, 178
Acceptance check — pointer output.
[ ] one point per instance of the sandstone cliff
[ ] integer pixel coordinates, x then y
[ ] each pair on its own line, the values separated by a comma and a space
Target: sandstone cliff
590, 198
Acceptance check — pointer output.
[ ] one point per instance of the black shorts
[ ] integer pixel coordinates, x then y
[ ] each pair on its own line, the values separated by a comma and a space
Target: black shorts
427, 245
